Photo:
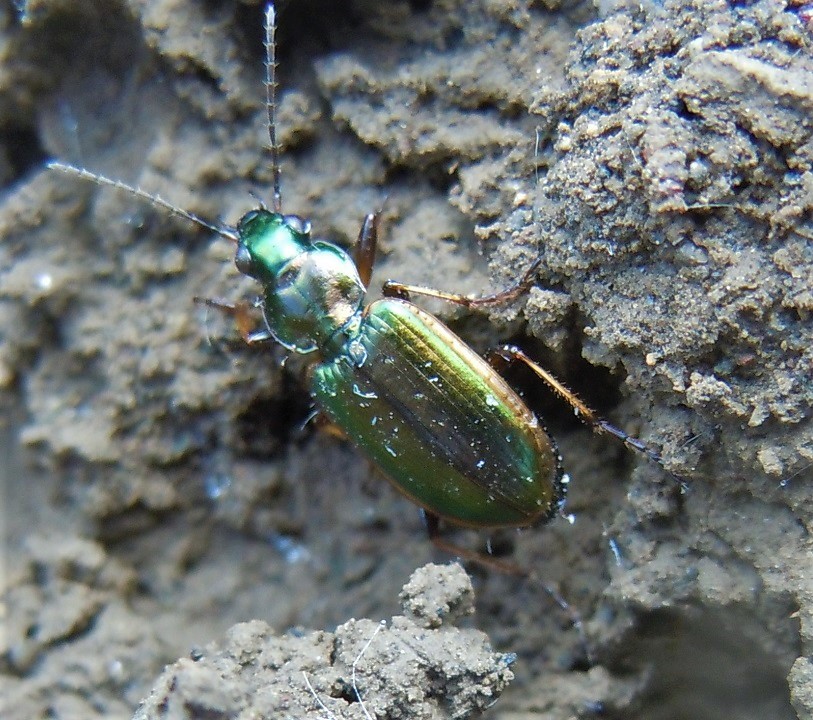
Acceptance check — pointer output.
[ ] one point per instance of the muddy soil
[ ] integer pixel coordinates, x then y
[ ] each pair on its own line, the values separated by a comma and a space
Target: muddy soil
161, 482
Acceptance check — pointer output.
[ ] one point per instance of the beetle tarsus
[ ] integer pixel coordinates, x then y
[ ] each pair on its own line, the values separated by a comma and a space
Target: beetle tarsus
572, 614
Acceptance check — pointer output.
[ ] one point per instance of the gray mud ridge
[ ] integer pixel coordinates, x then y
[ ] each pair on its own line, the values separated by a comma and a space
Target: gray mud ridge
657, 156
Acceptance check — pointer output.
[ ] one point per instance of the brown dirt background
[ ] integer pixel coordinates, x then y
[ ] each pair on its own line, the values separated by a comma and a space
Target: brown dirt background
157, 487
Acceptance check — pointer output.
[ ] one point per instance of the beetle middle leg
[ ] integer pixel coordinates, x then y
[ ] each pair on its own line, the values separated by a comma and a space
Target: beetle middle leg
399, 290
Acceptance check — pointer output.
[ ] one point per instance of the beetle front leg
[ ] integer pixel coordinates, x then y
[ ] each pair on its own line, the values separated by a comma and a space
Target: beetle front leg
242, 315
399, 290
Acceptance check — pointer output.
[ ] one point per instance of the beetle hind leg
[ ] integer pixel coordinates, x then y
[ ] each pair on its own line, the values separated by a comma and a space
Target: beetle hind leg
435, 535
509, 568
508, 354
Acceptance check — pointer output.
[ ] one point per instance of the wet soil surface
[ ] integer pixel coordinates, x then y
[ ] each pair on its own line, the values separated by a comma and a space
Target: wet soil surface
163, 490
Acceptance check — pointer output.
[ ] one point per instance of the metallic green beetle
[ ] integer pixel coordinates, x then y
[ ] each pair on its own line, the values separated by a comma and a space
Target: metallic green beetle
434, 416
440, 422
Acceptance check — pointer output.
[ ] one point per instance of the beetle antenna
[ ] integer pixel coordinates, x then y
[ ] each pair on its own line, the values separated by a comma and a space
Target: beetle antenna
271, 97
223, 230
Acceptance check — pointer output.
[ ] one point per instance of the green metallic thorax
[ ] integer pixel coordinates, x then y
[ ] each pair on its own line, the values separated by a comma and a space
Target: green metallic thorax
311, 288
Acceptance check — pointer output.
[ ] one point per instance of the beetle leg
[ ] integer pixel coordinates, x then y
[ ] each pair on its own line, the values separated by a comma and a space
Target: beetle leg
366, 246
399, 290
433, 529
324, 424
572, 614
241, 312
504, 356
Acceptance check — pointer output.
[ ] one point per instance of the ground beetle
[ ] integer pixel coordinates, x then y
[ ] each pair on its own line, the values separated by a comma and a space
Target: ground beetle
439, 420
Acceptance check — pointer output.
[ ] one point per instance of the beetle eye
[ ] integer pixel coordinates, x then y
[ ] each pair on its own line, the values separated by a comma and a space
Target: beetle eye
243, 261
249, 216
297, 224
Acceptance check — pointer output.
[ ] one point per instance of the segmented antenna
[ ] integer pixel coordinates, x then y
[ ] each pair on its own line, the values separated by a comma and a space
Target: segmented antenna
224, 231
271, 97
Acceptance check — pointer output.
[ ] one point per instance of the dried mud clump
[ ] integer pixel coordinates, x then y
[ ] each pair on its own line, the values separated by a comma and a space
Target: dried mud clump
389, 670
